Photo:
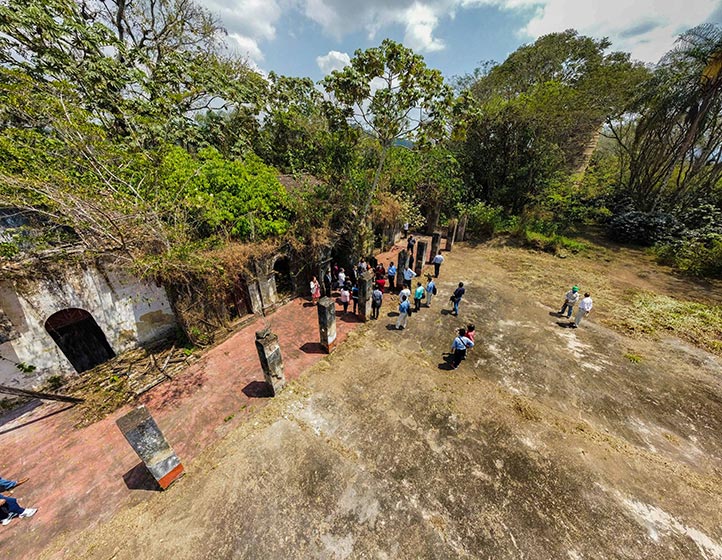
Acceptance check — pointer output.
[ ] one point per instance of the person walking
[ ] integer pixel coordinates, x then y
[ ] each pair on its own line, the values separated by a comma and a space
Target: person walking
410, 244
570, 300
354, 297
391, 272
409, 275
459, 346
404, 309
438, 259
418, 296
377, 298
315, 290
456, 298
585, 307
345, 297
10, 509
430, 290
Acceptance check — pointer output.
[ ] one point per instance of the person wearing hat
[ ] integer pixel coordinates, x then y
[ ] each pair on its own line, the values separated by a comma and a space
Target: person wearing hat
570, 300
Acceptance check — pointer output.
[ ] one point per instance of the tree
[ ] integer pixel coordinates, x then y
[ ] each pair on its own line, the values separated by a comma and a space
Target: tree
675, 146
389, 92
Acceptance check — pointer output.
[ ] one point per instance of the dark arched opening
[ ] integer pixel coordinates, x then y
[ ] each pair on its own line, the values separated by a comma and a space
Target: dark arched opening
284, 283
79, 337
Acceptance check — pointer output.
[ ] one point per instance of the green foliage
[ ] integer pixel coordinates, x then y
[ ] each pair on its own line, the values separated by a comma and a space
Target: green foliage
694, 257
244, 199
642, 228
484, 220
634, 358
552, 243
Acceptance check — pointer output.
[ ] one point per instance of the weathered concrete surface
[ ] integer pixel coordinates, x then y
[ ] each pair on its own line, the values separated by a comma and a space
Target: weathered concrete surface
546, 443
269, 354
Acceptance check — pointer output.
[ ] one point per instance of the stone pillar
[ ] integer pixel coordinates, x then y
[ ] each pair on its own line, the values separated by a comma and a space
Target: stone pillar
269, 352
461, 228
146, 439
450, 235
420, 257
403, 261
435, 245
365, 288
327, 323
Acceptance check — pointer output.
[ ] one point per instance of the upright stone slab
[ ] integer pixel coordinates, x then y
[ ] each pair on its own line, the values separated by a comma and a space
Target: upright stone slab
269, 352
420, 257
146, 439
435, 245
461, 228
451, 235
403, 262
365, 289
327, 323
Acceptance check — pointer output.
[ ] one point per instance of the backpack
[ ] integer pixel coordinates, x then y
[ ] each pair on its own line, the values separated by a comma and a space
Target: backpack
434, 290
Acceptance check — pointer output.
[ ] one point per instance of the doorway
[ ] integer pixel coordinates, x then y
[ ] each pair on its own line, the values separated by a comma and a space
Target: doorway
284, 282
79, 337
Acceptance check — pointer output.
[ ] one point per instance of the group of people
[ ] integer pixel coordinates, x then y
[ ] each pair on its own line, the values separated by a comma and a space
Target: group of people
571, 298
9, 507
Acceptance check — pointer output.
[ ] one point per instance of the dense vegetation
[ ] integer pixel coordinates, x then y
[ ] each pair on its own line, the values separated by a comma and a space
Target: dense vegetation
129, 126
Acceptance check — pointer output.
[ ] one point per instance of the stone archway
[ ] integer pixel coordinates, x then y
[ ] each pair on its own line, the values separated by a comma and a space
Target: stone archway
79, 337
284, 280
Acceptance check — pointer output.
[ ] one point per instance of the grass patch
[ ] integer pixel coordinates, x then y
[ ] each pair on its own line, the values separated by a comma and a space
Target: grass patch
634, 358
654, 314
550, 243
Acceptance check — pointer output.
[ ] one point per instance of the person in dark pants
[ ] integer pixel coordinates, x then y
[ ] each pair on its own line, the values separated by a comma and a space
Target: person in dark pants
354, 297
10, 509
456, 298
459, 346
327, 282
377, 297
410, 244
438, 259
418, 296
391, 272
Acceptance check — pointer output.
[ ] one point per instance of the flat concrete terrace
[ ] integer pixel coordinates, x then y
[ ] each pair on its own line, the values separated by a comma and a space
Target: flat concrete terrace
547, 443
81, 477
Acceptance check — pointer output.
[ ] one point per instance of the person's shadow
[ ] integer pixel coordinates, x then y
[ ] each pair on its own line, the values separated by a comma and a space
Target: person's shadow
566, 324
447, 364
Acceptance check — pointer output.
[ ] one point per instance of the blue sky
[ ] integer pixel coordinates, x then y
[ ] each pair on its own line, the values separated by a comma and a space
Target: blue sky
313, 37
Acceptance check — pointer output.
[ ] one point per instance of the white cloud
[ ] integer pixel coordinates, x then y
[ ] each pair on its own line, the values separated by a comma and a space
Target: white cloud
247, 47
334, 60
646, 28
420, 24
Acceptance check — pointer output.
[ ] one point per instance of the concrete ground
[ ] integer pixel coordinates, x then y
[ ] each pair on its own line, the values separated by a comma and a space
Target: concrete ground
547, 442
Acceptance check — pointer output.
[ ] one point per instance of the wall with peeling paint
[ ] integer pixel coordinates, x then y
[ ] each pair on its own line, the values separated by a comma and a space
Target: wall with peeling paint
128, 311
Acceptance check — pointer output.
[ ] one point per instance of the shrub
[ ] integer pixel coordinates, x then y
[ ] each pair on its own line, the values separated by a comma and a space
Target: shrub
694, 256
548, 243
643, 228
483, 221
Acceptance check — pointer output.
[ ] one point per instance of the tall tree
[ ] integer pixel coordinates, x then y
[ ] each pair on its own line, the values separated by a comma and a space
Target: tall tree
389, 92
675, 151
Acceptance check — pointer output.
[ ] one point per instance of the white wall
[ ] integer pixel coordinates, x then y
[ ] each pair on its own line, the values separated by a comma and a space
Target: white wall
128, 311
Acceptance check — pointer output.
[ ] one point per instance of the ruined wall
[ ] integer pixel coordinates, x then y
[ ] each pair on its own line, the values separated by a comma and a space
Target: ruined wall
128, 311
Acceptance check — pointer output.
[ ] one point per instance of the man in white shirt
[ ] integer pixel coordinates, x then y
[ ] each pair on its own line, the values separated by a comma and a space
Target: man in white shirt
438, 259
409, 275
585, 306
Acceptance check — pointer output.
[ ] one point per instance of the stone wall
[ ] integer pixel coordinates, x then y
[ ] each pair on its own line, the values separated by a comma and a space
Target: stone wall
129, 313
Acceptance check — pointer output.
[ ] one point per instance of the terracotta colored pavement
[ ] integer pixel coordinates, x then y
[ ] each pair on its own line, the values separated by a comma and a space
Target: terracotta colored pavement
80, 477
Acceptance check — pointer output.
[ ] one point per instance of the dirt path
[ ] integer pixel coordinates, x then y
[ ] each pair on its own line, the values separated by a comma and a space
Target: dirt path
546, 443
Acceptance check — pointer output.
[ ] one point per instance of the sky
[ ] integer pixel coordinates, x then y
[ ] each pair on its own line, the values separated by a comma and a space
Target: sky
314, 37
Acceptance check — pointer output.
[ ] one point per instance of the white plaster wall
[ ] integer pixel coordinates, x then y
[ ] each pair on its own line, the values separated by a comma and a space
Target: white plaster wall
128, 311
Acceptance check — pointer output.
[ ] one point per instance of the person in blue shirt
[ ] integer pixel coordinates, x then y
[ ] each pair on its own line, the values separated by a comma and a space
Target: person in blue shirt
404, 308
430, 291
459, 346
377, 297
354, 297
391, 271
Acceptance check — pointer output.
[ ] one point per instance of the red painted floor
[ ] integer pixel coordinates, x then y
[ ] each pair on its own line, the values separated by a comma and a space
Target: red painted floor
79, 477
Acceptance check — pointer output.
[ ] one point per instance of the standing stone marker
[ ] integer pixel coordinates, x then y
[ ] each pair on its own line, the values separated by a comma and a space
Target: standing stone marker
435, 245
327, 323
403, 261
461, 228
420, 257
146, 439
269, 352
365, 288
451, 235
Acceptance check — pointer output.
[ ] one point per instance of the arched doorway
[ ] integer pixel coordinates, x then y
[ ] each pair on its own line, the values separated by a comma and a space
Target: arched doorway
79, 337
284, 282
